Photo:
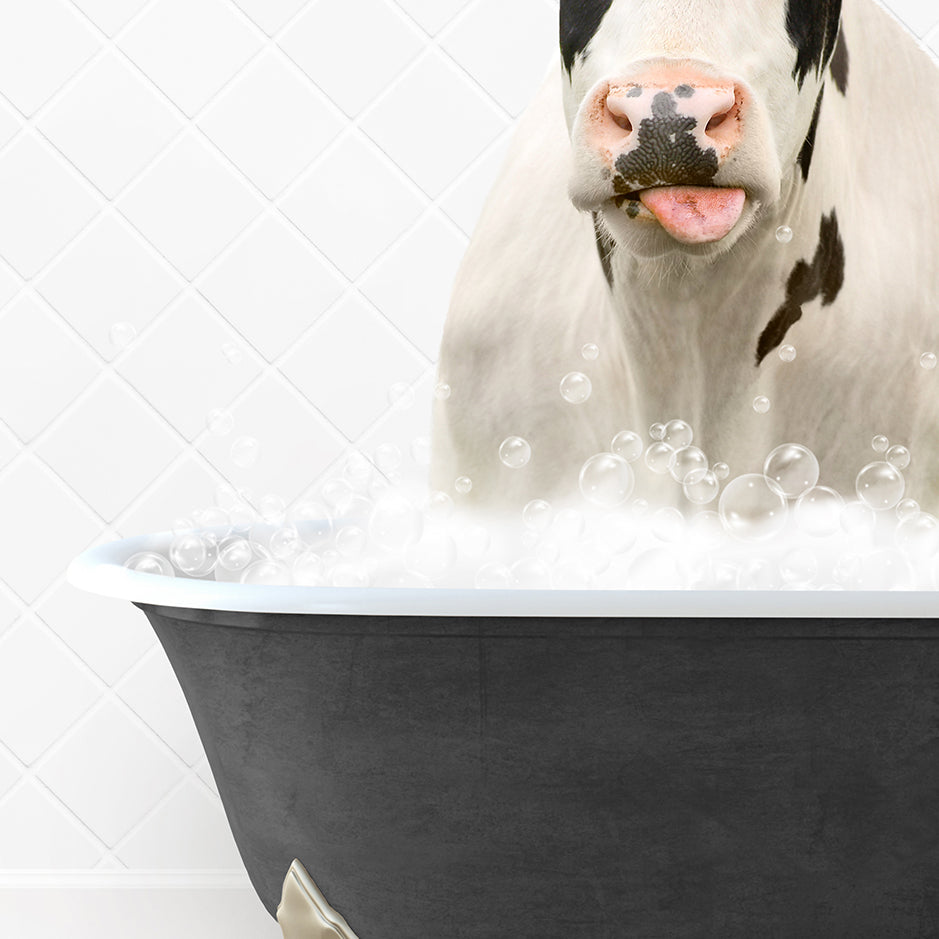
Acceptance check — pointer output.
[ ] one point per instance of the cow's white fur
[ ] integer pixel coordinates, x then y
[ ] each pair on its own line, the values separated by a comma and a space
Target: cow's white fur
678, 336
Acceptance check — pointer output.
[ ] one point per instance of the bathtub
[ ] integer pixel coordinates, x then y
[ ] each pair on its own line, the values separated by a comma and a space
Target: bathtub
450, 764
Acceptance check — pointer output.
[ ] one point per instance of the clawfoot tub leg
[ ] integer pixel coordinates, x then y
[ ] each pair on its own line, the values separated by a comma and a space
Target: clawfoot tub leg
303, 912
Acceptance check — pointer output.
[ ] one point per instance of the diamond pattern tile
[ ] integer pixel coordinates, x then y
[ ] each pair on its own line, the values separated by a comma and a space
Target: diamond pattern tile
190, 48
30, 495
44, 204
110, 123
283, 185
107, 634
354, 206
188, 346
272, 268
189, 205
434, 92
271, 122
353, 74
42, 43
109, 774
42, 690
347, 363
108, 275
131, 446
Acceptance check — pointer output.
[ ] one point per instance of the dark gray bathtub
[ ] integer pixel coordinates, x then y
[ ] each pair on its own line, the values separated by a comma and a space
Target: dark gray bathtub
456, 775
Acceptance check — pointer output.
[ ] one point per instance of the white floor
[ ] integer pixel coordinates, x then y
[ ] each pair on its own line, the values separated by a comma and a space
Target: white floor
134, 913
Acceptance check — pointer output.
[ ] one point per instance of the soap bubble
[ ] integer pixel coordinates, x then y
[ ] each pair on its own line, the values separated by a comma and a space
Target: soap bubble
701, 486
313, 520
219, 422
590, 351
899, 457
858, 518
720, 470
761, 404
122, 335
759, 574
234, 554
791, 469
434, 555
928, 360
308, 569
530, 573
357, 469
906, 508
272, 508
918, 535
678, 434
687, 460
493, 576
798, 566
886, 569
628, 445
439, 506
350, 541
421, 450
514, 452
245, 451
668, 524
818, 511
285, 542
606, 480
441, 391
474, 542
350, 576
706, 529
659, 457
784, 234
401, 395
575, 387
657, 431
656, 568
463, 485
568, 525
880, 485
232, 353
537, 514
395, 523
751, 509
336, 492
387, 458
266, 572
787, 353
880, 443
149, 562
193, 554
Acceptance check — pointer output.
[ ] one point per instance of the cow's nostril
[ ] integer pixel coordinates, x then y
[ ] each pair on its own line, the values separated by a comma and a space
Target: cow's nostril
716, 121
622, 121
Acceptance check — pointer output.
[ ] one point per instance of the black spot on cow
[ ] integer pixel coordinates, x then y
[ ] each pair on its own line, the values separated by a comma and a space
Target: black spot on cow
605, 246
579, 21
839, 63
823, 278
634, 92
684, 91
667, 152
813, 30
804, 159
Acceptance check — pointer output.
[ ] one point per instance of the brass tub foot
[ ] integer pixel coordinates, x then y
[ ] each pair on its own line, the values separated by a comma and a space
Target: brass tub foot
303, 912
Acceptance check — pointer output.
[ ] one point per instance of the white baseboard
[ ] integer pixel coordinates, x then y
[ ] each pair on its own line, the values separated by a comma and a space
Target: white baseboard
118, 905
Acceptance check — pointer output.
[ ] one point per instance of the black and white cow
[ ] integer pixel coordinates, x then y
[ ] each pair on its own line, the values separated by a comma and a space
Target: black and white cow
638, 210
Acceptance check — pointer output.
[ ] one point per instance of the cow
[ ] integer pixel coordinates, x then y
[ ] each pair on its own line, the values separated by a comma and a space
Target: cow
734, 207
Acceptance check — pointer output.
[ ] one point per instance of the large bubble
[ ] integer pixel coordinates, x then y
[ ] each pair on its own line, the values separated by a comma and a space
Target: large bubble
880, 485
751, 509
515, 452
791, 469
606, 480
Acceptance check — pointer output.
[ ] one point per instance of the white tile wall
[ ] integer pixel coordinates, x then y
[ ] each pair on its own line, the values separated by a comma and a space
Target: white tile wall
272, 196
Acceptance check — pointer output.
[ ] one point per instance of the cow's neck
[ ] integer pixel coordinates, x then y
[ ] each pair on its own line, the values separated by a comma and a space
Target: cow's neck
690, 335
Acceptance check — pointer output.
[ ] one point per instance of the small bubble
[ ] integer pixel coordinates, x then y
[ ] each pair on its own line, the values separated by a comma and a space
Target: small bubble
761, 404
395, 523
687, 460
285, 542
235, 554
537, 514
799, 566
787, 353
784, 234
193, 555
336, 493
628, 445
350, 541
149, 562
575, 387
514, 452
907, 508
232, 352
657, 431
266, 572
880, 485
358, 468
463, 485
858, 518
219, 422
606, 480
678, 434
668, 524
530, 573
568, 525
590, 351
818, 511
898, 456
439, 507
309, 569
918, 535
720, 470
272, 508
880, 443
441, 391
928, 361
701, 486
348, 575
245, 451
387, 458
122, 335
791, 469
659, 457
751, 509
493, 576
401, 395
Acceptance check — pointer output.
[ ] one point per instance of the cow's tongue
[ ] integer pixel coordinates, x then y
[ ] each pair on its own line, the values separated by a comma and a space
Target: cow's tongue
694, 214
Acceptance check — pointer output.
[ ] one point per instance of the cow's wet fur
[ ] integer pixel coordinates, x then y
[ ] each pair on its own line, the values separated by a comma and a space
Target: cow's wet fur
667, 153
824, 277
